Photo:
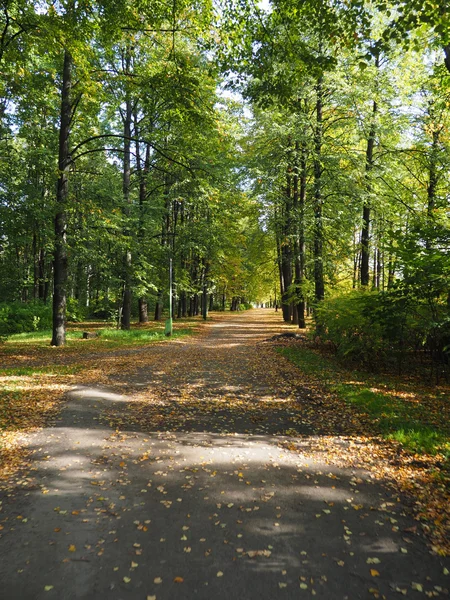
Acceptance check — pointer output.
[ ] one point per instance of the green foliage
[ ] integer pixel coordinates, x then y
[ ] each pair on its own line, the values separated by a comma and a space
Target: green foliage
19, 318
75, 312
373, 327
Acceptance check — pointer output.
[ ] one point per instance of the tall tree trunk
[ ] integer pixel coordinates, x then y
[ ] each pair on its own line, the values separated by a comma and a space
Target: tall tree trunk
279, 263
126, 180
60, 249
319, 286
365, 232
143, 172
299, 244
286, 245
143, 310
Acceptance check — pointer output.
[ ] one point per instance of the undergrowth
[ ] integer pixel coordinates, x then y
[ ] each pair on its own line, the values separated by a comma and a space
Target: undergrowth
398, 409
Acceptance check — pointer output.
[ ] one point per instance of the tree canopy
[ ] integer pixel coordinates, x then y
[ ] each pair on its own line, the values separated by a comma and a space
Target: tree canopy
279, 153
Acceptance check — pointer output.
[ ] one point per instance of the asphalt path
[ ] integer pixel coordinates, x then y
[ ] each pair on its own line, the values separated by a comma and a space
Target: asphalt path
157, 487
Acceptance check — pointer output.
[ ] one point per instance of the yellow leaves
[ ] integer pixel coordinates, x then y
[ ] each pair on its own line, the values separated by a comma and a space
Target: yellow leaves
157, 580
47, 588
219, 574
126, 579
374, 573
178, 580
373, 561
72, 548
400, 590
417, 586
253, 553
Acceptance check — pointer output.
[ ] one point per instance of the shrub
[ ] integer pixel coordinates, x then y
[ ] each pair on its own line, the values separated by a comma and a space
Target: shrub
16, 317
104, 309
75, 312
372, 326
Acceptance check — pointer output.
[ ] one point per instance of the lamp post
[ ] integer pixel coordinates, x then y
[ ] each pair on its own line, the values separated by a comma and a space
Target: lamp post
205, 300
169, 323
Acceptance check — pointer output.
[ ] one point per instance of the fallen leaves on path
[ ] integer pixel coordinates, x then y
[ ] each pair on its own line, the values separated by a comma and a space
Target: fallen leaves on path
189, 388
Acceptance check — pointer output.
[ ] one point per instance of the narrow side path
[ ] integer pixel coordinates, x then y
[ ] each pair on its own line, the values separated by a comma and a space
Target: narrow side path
185, 478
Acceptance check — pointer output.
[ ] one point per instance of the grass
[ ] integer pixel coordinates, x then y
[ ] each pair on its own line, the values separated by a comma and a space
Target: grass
107, 338
401, 410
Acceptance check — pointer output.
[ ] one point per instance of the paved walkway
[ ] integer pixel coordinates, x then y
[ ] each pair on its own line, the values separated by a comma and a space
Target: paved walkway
177, 481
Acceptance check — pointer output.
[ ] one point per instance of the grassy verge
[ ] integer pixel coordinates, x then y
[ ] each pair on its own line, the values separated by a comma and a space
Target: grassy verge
398, 409
107, 338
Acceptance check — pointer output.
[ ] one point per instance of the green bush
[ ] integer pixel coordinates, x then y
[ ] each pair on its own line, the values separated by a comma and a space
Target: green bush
104, 309
16, 317
245, 306
75, 312
373, 326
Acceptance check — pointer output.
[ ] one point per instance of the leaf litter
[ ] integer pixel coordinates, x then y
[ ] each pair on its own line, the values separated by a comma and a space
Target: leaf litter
284, 413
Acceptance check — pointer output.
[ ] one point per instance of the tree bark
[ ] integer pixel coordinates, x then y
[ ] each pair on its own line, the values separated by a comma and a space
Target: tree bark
127, 116
286, 245
319, 286
299, 244
143, 172
365, 232
60, 249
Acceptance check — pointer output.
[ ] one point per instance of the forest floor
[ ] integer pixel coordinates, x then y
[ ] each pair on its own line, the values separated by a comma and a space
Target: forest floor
207, 466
